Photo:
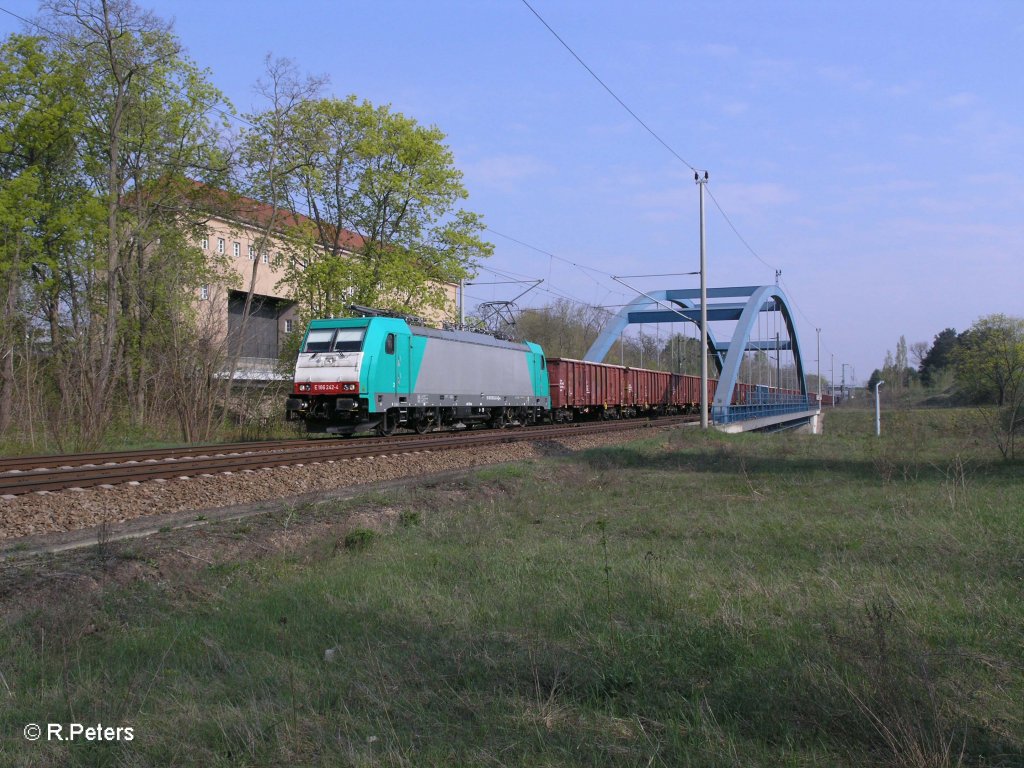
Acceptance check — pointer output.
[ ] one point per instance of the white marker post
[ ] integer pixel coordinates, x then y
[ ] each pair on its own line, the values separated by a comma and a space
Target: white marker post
878, 410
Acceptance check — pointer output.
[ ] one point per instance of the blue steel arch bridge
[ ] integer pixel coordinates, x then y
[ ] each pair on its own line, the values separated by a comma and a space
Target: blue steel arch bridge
758, 323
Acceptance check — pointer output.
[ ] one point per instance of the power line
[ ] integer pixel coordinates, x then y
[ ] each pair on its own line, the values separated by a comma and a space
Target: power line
605, 86
548, 253
737, 232
802, 313
647, 128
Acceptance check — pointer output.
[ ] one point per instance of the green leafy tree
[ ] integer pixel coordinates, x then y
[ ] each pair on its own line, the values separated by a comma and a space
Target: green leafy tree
900, 380
392, 183
938, 357
989, 366
989, 359
147, 133
271, 161
49, 218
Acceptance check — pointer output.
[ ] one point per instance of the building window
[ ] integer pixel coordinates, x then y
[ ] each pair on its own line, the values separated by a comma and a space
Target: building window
288, 325
204, 292
237, 249
220, 245
252, 253
206, 243
266, 258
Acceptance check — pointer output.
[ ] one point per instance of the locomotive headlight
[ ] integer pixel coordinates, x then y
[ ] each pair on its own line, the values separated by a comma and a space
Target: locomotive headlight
350, 387
303, 387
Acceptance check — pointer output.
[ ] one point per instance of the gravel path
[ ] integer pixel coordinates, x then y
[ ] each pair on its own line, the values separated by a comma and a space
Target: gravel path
71, 510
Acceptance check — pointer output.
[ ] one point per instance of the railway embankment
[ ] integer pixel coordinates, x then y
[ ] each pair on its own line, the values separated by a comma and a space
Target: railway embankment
114, 507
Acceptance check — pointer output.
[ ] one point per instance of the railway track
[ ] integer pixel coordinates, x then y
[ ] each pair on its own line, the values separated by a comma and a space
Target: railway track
63, 460
44, 474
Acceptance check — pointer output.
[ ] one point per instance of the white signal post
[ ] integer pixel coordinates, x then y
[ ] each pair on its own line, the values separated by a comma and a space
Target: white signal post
703, 308
878, 410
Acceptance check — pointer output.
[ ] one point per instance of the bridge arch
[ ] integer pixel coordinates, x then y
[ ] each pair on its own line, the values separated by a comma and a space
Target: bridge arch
727, 357
646, 304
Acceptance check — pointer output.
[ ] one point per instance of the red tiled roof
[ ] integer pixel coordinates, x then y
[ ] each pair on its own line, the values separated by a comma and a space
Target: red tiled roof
250, 211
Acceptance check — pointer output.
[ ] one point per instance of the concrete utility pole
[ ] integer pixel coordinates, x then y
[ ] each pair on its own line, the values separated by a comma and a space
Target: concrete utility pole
832, 377
843, 385
878, 409
703, 308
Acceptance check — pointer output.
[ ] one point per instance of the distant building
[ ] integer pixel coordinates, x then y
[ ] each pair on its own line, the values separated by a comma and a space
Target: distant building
235, 231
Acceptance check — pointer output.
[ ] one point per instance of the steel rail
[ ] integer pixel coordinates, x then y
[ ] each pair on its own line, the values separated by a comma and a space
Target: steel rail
56, 460
323, 451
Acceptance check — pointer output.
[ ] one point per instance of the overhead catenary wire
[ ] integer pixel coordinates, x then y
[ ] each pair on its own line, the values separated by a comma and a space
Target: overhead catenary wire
736, 232
604, 85
647, 128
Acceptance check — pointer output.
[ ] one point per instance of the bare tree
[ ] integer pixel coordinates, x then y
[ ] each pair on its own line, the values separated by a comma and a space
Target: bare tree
918, 352
270, 160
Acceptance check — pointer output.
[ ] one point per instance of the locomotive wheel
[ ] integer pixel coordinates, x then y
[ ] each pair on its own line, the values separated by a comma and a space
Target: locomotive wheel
386, 428
422, 425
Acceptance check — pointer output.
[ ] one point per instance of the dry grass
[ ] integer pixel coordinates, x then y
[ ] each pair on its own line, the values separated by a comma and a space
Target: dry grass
711, 601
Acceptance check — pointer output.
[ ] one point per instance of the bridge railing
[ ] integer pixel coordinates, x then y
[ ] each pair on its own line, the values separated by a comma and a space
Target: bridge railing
762, 407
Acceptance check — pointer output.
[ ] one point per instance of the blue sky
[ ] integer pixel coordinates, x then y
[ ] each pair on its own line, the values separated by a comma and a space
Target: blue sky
874, 152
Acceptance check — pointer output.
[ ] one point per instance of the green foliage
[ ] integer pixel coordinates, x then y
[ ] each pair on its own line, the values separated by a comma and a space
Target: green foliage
989, 359
989, 365
359, 539
102, 131
410, 518
376, 173
939, 356
563, 328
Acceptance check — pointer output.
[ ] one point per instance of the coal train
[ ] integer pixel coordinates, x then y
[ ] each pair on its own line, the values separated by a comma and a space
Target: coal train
382, 373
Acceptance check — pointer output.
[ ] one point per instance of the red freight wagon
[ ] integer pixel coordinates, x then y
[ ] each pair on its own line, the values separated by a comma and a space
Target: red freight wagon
651, 389
582, 387
688, 394
688, 391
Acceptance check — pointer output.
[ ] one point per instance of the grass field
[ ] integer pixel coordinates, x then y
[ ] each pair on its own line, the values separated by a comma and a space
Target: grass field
694, 600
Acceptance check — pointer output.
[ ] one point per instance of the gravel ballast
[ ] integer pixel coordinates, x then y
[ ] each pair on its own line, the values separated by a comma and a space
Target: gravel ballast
36, 514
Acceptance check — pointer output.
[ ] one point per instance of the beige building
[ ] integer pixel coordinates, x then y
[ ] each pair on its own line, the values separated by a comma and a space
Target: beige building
235, 235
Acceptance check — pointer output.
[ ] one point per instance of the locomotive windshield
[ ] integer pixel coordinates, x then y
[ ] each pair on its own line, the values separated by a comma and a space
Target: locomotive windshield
319, 341
349, 340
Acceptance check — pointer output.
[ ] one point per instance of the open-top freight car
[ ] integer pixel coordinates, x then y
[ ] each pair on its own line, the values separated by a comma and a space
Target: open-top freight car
583, 389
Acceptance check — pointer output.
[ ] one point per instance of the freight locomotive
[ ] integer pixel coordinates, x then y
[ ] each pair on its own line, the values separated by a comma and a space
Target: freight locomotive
381, 373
